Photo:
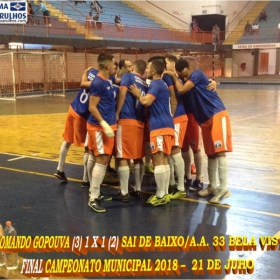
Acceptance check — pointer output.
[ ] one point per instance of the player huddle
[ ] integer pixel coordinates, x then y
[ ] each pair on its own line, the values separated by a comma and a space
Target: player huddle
113, 115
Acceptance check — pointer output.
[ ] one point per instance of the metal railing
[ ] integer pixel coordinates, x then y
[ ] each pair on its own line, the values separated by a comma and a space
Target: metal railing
133, 33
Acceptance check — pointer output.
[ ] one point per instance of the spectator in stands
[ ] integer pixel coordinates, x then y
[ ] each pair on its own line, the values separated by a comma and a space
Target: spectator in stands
76, 2
255, 28
214, 35
194, 26
94, 5
30, 13
218, 33
248, 28
95, 21
118, 23
46, 13
89, 20
262, 16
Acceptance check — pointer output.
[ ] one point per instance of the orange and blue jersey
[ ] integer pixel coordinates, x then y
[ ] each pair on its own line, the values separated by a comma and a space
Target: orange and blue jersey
204, 103
161, 120
107, 92
112, 80
180, 111
132, 109
81, 101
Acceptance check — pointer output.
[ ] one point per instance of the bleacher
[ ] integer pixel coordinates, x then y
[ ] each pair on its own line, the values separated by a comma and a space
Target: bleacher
137, 27
69, 21
129, 16
268, 30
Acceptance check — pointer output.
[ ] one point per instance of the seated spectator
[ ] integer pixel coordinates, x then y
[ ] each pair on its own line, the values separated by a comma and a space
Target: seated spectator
262, 16
96, 6
248, 28
89, 20
255, 28
118, 22
96, 17
95, 22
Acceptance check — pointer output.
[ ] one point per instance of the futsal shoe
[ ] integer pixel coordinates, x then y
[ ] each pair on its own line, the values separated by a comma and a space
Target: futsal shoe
60, 175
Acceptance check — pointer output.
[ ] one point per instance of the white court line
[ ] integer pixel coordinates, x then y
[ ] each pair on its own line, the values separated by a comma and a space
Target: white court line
46, 159
205, 182
259, 191
256, 255
17, 158
33, 115
254, 116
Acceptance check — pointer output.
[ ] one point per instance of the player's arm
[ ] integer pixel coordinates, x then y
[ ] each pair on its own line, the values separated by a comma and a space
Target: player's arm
121, 99
93, 102
181, 88
173, 100
92, 107
117, 80
85, 83
146, 100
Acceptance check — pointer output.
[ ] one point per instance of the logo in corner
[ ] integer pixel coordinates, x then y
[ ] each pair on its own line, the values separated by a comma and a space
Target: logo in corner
18, 6
13, 12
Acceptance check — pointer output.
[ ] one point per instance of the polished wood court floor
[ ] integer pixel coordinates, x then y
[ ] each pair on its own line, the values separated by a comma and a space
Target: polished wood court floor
38, 204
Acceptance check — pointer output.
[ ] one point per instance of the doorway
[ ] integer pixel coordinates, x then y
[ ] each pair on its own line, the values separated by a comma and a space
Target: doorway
264, 63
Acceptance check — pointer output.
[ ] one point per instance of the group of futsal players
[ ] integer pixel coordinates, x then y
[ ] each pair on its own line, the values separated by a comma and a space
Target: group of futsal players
163, 101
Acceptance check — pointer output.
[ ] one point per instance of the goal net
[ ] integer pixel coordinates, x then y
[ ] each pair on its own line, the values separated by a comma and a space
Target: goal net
29, 74
208, 63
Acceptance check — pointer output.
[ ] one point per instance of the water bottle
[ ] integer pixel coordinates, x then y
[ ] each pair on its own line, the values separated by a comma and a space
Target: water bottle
11, 259
2, 257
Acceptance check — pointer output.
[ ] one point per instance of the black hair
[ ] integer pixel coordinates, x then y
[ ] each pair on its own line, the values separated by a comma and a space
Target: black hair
122, 63
181, 64
171, 58
158, 65
159, 58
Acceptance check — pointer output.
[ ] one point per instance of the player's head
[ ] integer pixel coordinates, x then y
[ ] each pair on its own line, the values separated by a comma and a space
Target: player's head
125, 64
106, 62
116, 65
158, 57
182, 68
170, 62
139, 66
155, 68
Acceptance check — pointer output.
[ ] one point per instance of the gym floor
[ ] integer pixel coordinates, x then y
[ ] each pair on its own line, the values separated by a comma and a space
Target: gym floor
38, 204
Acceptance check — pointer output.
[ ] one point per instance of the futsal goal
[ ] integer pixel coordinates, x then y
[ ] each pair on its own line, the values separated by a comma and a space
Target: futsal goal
29, 74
